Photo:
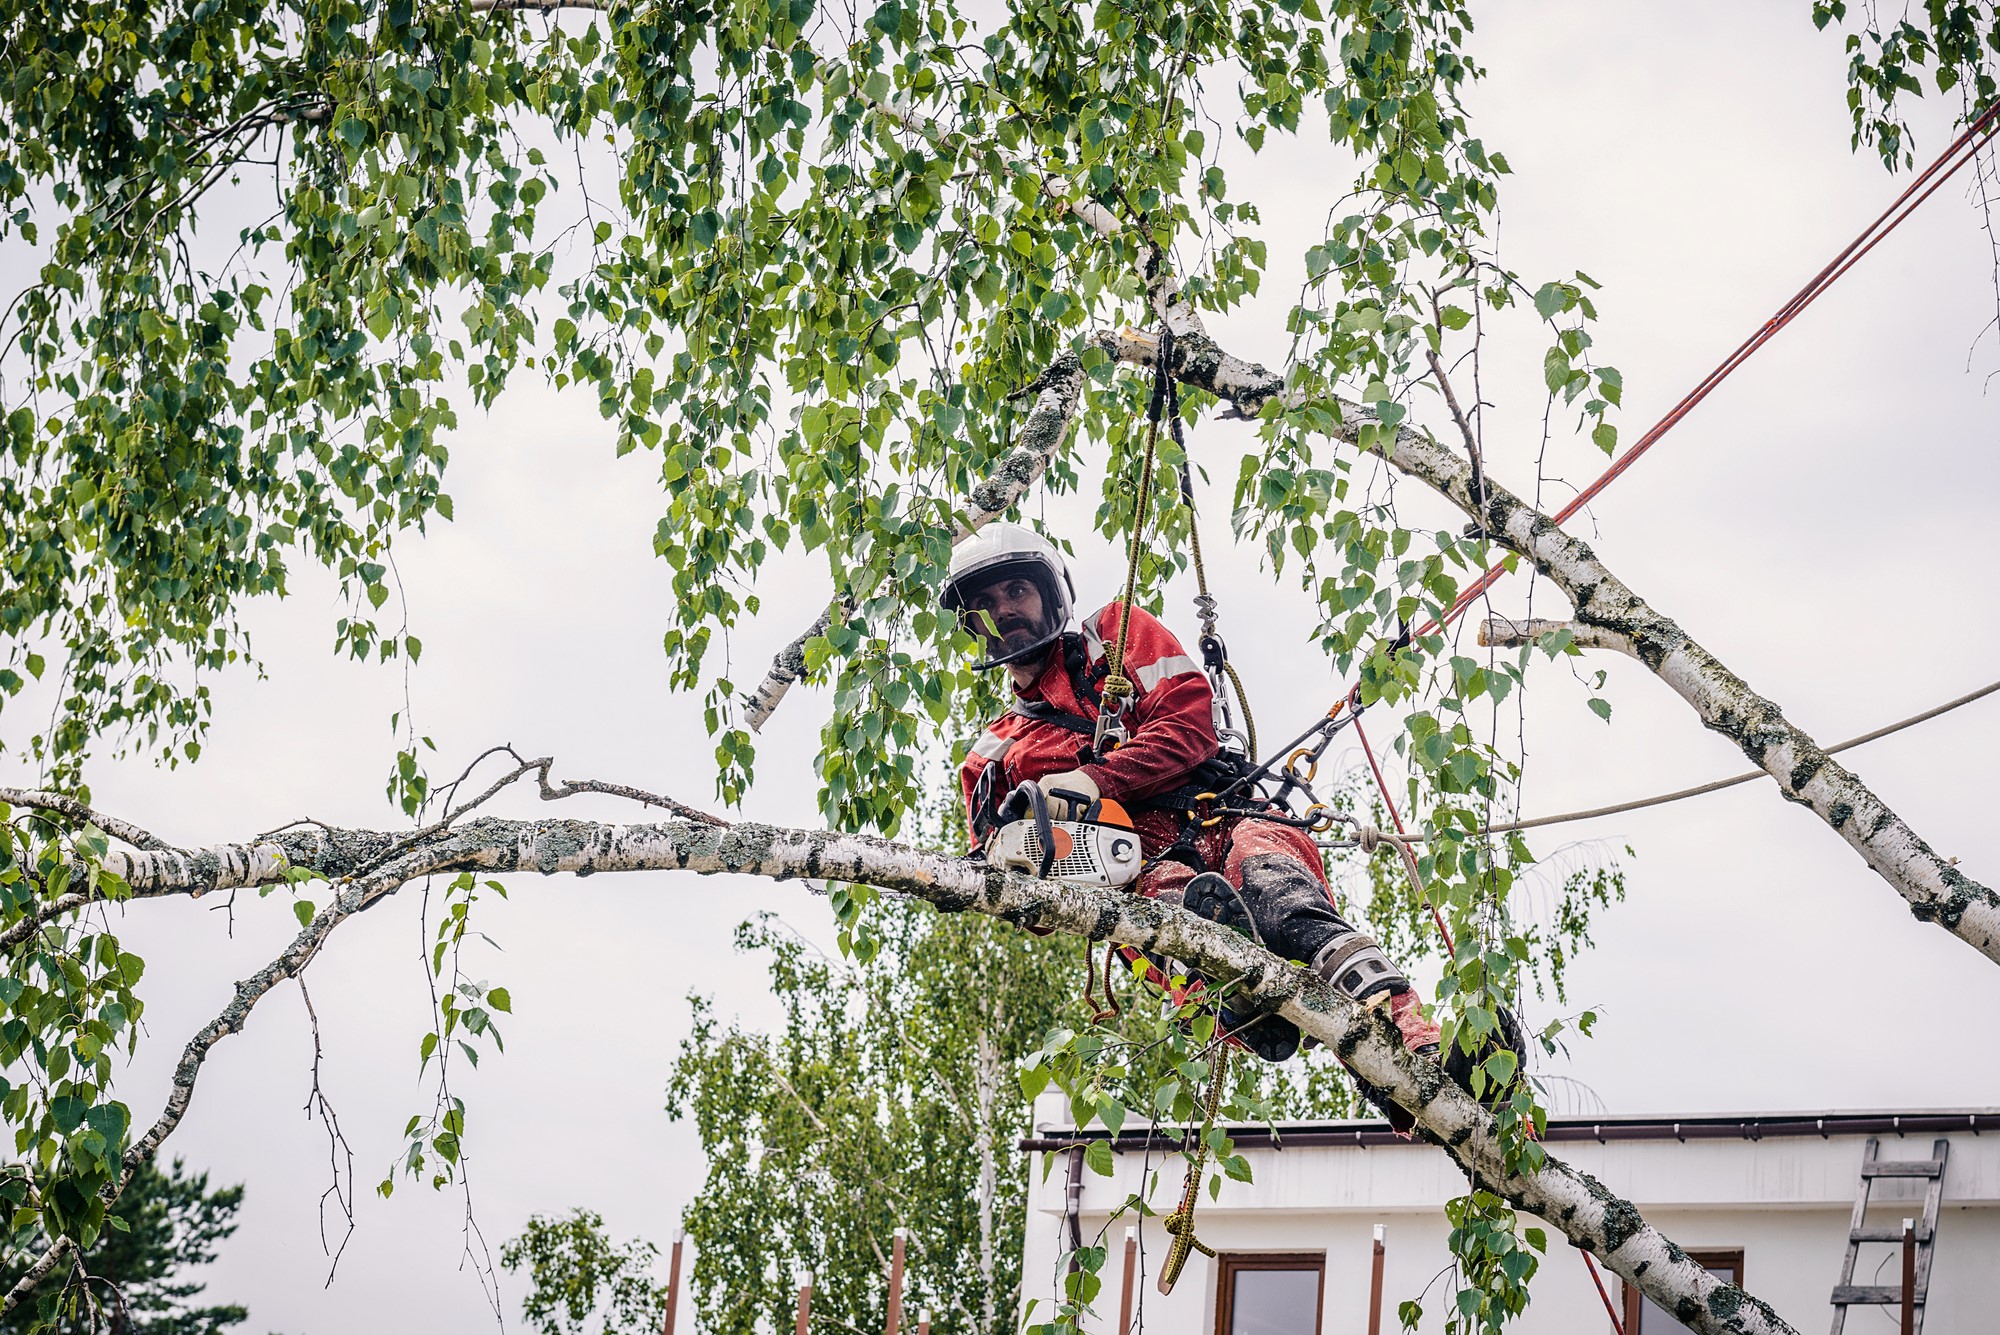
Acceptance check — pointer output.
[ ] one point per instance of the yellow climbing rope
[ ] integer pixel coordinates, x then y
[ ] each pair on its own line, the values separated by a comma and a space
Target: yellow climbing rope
1180, 1224
1117, 686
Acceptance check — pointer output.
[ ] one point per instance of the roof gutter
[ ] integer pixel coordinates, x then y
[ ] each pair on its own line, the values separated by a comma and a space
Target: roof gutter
1603, 1131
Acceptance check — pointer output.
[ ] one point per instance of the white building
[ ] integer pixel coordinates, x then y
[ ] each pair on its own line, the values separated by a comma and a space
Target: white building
1768, 1199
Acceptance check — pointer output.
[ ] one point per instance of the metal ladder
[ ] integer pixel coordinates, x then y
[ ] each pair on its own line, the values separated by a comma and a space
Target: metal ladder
1847, 1292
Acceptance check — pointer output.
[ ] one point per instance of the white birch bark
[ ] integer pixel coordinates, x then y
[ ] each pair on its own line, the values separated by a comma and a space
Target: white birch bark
988, 1070
1937, 891
370, 865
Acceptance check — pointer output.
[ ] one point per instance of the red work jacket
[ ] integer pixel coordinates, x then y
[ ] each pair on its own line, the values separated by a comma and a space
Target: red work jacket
1171, 724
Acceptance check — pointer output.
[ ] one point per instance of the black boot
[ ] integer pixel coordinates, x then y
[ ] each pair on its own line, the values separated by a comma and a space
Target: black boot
1459, 1064
1284, 908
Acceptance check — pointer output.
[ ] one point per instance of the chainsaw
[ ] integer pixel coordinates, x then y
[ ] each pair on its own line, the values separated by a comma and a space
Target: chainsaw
1100, 849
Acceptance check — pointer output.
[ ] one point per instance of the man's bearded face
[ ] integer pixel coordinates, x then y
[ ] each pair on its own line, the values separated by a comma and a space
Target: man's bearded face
1007, 614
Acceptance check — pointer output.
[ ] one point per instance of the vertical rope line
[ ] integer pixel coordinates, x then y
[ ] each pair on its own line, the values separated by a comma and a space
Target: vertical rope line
1116, 686
1617, 1325
1402, 838
1204, 603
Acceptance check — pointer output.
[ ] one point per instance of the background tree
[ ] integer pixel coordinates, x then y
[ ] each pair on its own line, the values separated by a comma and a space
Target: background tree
888, 1099
163, 1226
578, 1273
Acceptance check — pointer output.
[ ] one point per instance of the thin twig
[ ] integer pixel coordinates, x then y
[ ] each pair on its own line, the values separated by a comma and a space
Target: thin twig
336, 1145
1465, 432
555, 793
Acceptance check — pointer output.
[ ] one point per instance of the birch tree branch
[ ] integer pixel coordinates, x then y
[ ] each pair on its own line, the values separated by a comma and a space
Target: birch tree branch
261, 862
1041, 435
44, 1265
1572, 1202
41, 800
1936, 890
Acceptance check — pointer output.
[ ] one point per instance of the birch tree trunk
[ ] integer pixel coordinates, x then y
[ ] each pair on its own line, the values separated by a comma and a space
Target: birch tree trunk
1937, 892
373, 864
988, 1071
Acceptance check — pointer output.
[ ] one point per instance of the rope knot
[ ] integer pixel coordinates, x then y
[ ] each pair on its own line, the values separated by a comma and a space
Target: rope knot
1368, 838
1180, 1224
1117, 686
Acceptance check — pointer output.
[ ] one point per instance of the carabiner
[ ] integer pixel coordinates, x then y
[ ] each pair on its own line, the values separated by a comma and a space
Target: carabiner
1110, 734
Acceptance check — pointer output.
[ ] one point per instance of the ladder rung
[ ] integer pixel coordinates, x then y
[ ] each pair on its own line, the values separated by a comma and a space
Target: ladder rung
1869, 1293
1888, 1235
1906, 1168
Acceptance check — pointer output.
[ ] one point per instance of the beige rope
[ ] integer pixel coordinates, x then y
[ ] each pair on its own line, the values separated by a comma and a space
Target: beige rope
1368, 838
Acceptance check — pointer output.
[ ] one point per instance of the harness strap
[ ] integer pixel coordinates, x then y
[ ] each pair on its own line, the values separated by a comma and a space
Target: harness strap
1041, 711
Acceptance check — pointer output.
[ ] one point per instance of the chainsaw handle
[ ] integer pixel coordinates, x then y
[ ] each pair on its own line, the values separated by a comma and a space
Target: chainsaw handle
1030, 800
1089, 805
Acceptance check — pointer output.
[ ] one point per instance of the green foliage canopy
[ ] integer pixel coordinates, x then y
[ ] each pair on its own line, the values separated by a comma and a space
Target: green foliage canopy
274, 244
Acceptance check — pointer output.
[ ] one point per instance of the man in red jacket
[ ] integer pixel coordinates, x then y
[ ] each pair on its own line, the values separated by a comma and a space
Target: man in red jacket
1010, 587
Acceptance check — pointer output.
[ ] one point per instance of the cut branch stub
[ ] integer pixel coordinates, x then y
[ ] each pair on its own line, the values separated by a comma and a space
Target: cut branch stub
1500, 633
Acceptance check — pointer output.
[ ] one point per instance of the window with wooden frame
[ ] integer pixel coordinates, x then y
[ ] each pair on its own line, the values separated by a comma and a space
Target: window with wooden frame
1269, 1293
1643, 1316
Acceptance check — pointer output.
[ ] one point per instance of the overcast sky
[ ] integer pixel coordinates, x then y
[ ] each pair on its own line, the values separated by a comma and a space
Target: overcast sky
1821, 524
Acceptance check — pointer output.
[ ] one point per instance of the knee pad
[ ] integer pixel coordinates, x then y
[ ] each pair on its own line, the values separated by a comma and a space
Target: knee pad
1290, 903
1356, 967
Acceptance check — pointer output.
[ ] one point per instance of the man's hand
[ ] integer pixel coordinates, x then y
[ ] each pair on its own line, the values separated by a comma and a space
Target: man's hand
1073, 784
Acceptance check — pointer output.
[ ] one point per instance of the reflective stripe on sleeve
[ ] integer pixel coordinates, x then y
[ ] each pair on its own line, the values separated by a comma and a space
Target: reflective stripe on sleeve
1152, 674
992, 746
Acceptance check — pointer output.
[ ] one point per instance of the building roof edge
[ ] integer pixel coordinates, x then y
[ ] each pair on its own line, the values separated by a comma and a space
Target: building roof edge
1603, 1130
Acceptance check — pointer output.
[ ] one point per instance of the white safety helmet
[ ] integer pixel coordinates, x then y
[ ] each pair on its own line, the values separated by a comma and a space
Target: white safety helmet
1007, 551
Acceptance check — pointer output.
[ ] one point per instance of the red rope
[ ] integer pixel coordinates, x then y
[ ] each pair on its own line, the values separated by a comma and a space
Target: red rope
1616, 1325
1948, 163
1395, 819
1964, 148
